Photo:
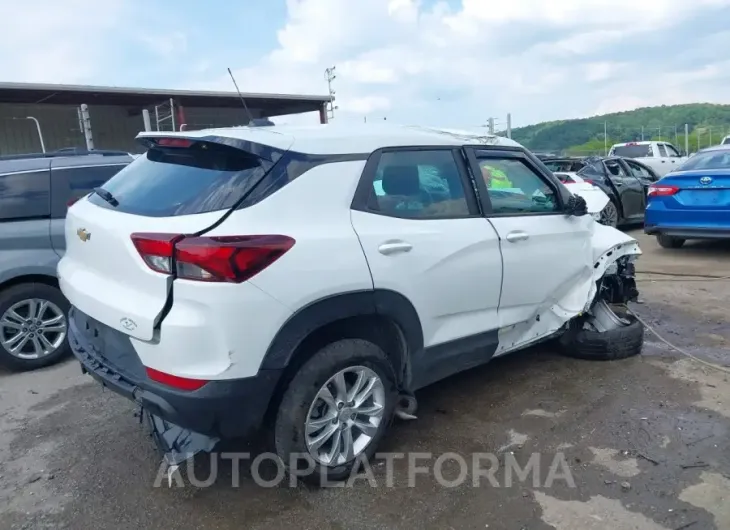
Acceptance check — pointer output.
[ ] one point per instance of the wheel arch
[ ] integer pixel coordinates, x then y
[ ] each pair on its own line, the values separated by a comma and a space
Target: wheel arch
384, 317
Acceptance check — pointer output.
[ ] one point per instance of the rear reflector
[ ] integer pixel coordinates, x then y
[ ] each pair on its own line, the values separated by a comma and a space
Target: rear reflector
174, 381
211, 259
662, 190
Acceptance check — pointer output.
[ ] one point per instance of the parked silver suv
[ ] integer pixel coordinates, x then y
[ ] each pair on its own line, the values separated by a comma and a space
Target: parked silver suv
35, 191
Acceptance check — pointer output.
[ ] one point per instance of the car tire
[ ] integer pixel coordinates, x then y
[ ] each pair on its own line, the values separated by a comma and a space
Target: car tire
610, 345
666, 241
610, 215
301, 400
14, 297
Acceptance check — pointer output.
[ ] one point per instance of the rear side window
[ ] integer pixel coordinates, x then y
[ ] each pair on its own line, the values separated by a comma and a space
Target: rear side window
71, 183
166, 182
419, 185
25, 195
662, 150
633, 151
707, 160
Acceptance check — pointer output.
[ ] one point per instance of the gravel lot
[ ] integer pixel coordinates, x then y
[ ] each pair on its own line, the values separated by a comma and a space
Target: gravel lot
645, 440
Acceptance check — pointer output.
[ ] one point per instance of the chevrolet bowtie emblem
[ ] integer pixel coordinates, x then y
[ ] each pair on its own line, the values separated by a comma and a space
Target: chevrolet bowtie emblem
83, 234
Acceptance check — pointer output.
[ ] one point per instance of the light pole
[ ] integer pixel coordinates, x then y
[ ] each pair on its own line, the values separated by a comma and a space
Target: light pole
38, 127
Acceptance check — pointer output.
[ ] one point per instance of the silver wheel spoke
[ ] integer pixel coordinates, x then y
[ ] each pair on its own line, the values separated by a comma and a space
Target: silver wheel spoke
357, 386
340, 386
7, 323
32, 308
55, 329
40, 309
48, 346
367, 429
315, 425
39, 350
334, 451
366, 392
325, 435
20, 345
326, 396
58, 319
348, 446
373, 410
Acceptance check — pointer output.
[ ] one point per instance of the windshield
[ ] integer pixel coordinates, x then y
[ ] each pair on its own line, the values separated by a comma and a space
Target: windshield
166, 182
633, 151
707, 160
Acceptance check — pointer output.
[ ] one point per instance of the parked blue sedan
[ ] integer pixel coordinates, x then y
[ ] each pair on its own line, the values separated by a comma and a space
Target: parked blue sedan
692, 201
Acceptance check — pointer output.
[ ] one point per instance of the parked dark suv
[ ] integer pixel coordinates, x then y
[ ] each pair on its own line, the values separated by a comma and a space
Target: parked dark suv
35, 192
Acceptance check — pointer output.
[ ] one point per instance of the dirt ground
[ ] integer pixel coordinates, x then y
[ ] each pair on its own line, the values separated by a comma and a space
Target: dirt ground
645, 440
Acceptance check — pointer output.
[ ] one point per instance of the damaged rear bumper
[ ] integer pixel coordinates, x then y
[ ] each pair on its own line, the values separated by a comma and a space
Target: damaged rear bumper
220, 409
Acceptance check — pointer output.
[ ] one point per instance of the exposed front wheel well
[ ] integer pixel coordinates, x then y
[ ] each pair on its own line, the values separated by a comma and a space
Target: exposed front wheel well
377, 329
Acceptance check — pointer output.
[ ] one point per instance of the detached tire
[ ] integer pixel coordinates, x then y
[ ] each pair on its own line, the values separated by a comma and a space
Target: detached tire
618, 343
304, 415
669, 241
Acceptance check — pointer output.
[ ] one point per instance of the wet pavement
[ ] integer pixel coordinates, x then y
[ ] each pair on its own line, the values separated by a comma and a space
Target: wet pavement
645, 441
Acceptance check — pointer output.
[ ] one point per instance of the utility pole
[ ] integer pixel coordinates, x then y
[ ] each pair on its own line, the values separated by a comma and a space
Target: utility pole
329, 75
686, 139
509, 125
642, 133
605, 138
710, 135
698, 139
490, 127
675, 135
86, 122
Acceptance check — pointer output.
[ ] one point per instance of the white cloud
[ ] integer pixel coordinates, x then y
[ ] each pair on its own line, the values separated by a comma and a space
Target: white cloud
453, 62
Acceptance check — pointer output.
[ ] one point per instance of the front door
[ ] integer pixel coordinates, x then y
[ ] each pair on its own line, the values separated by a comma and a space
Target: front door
629, 188
545, 253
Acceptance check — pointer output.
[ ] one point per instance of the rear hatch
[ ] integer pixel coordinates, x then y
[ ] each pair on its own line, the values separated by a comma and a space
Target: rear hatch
116, 268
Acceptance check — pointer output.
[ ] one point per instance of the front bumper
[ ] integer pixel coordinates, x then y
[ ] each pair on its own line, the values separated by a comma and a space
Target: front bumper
220, 409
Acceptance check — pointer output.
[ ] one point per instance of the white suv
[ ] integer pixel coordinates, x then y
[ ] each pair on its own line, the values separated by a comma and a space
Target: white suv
311, 279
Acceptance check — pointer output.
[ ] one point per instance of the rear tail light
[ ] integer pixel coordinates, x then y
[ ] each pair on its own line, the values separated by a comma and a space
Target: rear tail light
72, 201
662, 190
174, 381
589, 181
211, 259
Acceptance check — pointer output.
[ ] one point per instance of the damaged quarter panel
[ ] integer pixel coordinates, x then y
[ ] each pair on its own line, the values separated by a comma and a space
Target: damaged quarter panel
575, 296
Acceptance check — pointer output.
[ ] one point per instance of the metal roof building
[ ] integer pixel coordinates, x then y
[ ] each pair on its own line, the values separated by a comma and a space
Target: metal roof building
34, 117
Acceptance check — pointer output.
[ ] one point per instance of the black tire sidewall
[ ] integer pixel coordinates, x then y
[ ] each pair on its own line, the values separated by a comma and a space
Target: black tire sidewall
25, 291
619, 343
669, 241
289, 433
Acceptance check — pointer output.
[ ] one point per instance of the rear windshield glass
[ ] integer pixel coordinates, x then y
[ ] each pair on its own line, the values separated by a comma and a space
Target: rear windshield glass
708, 160
183, 181
633, 151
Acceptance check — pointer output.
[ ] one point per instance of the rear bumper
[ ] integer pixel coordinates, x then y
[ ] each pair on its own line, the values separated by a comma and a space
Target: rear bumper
688, 232
221, 409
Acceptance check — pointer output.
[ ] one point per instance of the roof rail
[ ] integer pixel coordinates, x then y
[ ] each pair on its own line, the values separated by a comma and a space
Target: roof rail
66, 151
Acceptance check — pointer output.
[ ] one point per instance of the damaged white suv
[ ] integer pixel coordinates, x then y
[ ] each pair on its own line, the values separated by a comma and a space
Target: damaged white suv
311, 279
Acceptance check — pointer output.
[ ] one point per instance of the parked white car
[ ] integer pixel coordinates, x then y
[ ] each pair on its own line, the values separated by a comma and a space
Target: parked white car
662, 157
596, 199
311, 279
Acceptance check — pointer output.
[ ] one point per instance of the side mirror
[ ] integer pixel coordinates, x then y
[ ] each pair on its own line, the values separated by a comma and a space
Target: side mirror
576, 206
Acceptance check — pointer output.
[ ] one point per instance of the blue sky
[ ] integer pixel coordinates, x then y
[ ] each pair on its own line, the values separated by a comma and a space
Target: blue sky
453, 62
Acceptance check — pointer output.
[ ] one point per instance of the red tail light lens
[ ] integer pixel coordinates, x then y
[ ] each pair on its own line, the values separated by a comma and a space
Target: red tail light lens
211, 259
658, 190
72, 201
589, 181
174, 381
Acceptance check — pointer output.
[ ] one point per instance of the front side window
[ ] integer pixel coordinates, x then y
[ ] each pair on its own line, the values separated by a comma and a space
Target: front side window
24, 195
615, 169
514, 188
672, 151
419, 185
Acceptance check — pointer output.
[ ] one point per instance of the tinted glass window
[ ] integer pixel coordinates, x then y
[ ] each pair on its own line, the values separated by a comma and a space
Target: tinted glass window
633, 151
71, 183
615, 169
726, 140
638, 170
24, 195
662, 150
419, 185
707, 160
173, 181
514, 188
671, 150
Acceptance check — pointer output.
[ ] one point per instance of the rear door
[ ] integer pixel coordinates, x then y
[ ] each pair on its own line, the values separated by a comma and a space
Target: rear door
173, 190
424, 237
545, 252
68, 185
630, 190
25, 246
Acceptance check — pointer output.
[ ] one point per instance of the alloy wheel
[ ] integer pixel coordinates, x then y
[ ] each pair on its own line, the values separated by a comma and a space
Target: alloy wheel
32, 328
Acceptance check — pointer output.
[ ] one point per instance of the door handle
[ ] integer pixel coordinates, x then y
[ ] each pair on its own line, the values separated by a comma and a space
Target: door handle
393, 247
518, 235
618, 183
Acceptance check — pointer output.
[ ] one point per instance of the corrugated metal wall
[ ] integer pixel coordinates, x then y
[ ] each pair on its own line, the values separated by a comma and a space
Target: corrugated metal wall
112, 127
